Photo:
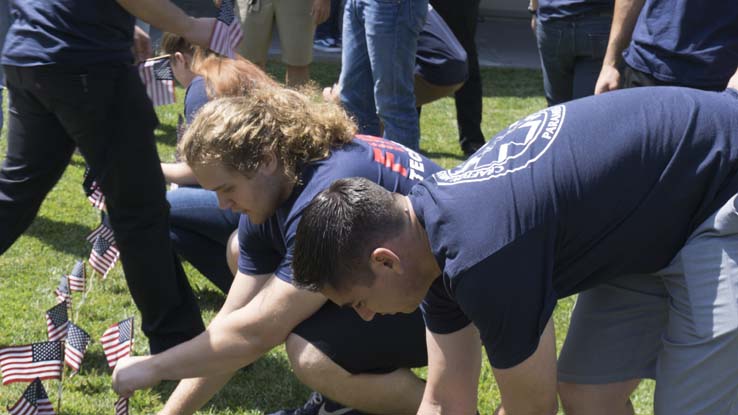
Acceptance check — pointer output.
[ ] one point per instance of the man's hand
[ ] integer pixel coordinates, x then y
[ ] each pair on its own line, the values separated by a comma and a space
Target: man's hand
141, 45
533, 23
609, 80
321, 11
132, 374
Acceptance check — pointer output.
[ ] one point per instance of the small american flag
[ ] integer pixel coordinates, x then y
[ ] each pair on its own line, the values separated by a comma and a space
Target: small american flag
62, 291
77, 342
103, 231
93, 191
57, 322
77, 277
158, 79
121, 406
97, 198
227, 32
26, 363
117, 341
103, 257
34, 401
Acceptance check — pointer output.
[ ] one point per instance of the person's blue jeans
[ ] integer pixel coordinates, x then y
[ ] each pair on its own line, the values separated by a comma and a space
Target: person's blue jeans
199, 230
571, 51
380, 38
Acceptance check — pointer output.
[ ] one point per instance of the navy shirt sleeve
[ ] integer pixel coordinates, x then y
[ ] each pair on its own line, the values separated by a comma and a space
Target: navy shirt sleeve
258, 255
195, 97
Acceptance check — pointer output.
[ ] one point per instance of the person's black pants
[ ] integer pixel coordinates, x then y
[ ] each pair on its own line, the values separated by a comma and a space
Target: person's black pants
461, 17
104, 111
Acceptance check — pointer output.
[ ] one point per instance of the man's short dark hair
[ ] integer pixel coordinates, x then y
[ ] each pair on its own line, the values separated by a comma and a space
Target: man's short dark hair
338, 231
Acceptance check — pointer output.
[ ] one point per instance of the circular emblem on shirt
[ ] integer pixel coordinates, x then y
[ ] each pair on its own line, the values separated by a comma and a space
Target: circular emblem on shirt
514, 149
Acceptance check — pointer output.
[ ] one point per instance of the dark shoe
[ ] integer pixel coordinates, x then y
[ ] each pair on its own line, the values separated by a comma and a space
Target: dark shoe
471, 148
318, 405
326, 45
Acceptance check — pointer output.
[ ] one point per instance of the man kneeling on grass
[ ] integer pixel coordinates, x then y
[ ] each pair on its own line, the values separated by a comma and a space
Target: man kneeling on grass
627, 198
267, 155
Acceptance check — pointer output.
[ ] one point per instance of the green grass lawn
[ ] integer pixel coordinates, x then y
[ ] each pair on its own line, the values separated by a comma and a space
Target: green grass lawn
30, 271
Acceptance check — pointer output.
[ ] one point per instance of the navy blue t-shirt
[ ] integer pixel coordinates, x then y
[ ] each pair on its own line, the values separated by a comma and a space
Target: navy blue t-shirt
440, 58
195, 97
559, 9
688, 42
572, 196
267, 248
76, 32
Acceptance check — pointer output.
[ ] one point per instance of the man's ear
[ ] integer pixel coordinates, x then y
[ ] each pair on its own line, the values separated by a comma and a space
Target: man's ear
269, 163
384, 260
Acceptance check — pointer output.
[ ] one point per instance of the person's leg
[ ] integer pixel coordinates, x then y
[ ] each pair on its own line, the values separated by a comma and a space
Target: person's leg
697, 370
360, 364
200, 231
38, 151
590, 37
392, 31
556, 49
461, 17
256, 22
105, 110
356, 82
613, 340
296, 30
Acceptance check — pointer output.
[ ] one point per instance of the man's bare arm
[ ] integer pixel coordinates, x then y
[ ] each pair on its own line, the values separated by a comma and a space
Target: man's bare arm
624, 19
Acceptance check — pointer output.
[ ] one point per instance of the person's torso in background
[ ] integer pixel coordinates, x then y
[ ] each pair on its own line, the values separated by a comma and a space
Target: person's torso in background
686, 42
71, 32
558, 9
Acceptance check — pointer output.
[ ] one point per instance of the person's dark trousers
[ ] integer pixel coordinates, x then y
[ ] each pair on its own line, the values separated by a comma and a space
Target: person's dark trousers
571, 51
103, 110
461, 17
332, 26
632, 78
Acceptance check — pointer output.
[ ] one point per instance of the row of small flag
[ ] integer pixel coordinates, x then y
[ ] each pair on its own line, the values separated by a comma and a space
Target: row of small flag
68, 342
156, 73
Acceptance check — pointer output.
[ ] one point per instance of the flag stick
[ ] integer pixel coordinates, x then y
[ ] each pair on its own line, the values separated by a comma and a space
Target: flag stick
89, 288
61, 379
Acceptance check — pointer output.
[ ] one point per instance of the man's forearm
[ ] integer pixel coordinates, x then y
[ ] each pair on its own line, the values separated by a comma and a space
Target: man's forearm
624, 19
162, 14
191, 394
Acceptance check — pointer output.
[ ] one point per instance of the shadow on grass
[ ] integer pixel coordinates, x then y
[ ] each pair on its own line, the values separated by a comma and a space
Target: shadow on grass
67, 237
210, 299
166, 134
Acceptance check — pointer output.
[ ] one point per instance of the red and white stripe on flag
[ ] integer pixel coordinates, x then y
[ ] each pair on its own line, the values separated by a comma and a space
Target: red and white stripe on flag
57, 322
157, 76
31, 361
117, 341
34, 401
77, 277
121, 406
227, 33
103, 256
77, 342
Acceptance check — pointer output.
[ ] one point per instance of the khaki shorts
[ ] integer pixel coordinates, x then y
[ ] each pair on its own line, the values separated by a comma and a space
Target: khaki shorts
294, 25
678, 326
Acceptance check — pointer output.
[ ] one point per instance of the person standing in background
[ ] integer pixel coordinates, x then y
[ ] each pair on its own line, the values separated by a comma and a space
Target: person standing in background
462, 18
671, 42
572, 40
71, 84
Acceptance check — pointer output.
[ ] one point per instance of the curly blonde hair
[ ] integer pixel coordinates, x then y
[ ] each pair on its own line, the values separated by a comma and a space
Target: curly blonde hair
237, 132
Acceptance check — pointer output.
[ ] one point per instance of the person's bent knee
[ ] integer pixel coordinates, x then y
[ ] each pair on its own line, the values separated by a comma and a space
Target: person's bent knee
311, 366
579, 398
232, 252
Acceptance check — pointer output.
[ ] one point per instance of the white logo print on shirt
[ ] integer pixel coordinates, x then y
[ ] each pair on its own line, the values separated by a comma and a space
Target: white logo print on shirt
513, 149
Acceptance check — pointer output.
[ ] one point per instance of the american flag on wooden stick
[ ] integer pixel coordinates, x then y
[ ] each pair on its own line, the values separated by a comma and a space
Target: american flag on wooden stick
103, 256
117, 341
93, 191
57, 322
77, 342
63, 295
77, 277
104, 231
227, 32
121, 406
34, 401
157, 76
31, 361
